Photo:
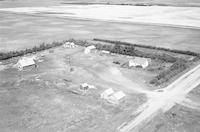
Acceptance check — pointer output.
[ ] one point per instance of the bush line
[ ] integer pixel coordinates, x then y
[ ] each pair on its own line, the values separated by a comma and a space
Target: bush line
127, 49
149, 47
43, 46
178, 67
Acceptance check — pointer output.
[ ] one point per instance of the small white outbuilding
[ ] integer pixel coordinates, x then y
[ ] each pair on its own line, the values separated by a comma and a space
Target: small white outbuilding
89, 49
105, 52
138, 61
116, 97
86, 86
25, 61
107, 93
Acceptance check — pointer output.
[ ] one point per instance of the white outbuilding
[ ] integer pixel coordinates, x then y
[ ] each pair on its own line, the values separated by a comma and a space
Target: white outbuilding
25, 61
116, 97
89, 49
138, 61
105, 52
107, 93
86, 86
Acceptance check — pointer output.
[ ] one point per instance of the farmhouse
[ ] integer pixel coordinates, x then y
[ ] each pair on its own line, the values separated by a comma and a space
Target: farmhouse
138, 61
69, 45
24, 62
89, 49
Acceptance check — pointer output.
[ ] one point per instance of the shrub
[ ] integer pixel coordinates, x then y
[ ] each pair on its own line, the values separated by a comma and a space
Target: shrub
116, 62
178, 67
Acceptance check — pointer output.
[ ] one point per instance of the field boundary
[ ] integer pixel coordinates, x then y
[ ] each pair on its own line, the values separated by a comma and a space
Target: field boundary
148, 47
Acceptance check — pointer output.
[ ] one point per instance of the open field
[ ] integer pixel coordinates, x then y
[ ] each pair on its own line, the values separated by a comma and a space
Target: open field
24, 31
27, 3
135, 2
21, 3
174, 16
179, 119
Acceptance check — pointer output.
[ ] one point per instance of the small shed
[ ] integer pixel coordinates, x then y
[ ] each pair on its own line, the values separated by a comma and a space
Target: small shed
107, 93
105, 52
89, 49
116, 97
138, 61
25, 61
86, 86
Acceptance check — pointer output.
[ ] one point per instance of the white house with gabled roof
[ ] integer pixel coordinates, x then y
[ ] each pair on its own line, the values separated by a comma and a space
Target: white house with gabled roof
69, 45
25, 61
89, 49
138, 61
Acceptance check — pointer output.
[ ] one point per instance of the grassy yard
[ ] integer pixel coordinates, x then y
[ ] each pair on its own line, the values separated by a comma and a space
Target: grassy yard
42, 100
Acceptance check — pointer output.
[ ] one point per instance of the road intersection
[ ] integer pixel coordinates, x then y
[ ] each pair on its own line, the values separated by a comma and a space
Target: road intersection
164, 100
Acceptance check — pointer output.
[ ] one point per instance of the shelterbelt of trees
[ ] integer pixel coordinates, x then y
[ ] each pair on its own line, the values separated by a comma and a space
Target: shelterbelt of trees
116, 47
149, 47
127, 49
164, 76
43, 46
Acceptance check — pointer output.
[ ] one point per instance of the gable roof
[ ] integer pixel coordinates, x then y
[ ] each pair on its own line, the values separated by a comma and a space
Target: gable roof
105, 51
26, 61
139, 60
69, 43
119, 95
107, 93
91, 47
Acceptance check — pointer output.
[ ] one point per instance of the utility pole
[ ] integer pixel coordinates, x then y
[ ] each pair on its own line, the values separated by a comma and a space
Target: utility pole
69, 63
69, 60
